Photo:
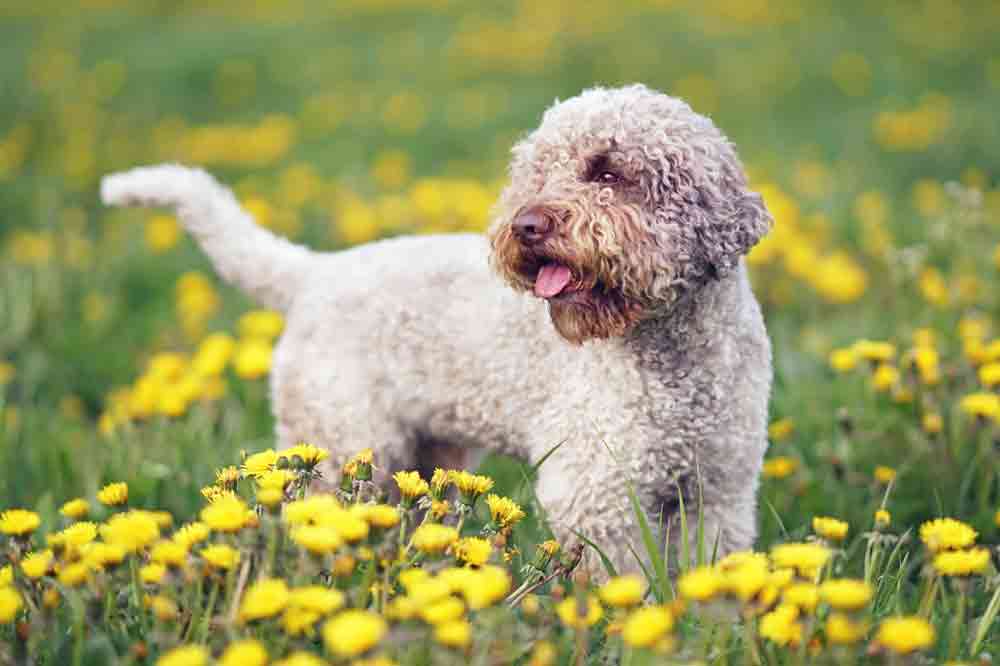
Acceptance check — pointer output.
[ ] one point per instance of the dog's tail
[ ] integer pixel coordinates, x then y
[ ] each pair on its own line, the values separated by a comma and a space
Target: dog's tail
267, 267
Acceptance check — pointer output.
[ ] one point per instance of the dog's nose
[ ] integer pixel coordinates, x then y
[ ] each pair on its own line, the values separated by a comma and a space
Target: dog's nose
533, 224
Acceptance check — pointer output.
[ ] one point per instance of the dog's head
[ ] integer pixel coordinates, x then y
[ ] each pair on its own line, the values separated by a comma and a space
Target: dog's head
620, 202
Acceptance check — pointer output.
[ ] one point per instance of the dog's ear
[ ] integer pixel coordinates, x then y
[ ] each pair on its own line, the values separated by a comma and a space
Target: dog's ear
734, 220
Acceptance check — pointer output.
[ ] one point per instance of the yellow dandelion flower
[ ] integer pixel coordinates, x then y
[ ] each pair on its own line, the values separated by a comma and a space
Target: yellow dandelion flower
10, 604
247, 652
103, 556
580, 613
882, 518
133, 531
489, 586
885, 377
842, 630
163, 608
113, 494
381, 516
18, 522
276, 479
804, 596
830, 528
846, 594
311, 509
152, 573
270, 497
317, 539
227, 477
76, 535
473, 550
252, 358
503, 510
6, 575
543, 654
962, 562
874, 350
319, 599
439, 482
779, 467
947, 534
622, 591
549, 547
75, 508
456, 634
471, 486
214, 493
746, 574
191, 534
932, 423
781, 625
299, 621
258, 463
220, 556
36, 565
989, 374
265, 598
780, 430
645, 627
303, 454
904, 635
353, 632
843, 360
411, 486
445, 610
806, 558
433, 539
185, 655
169, 553
885, 475
701, 583
364, 457
265, 324
983, 405
351, 526
226, 514
75, 574
439, 509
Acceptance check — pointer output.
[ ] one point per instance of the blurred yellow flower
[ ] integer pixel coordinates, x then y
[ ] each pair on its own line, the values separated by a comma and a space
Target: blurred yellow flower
846, 594
781, 625
10, 604
779, 467
904, 635
840, 629
701, 583
133, 531
226, 514
806, 558
885, 475
882, 518
246, 652
73, 575
885, 377
947, 534
162, 233
316, 598
75, 508
874, 350
220, 556
962, 562
191, 533
843, 360
445, 610
645, 626
932, 423
252, 358
18, 522
579, 613
265, 598
152, 573
7, 372
804, 596
36, 565
780, 430
113, 494
433, 539
381, 515
261, 324
830, 528
456, 633
622, 591
185, 655
353, 632
170, 553
984, 405
317, 539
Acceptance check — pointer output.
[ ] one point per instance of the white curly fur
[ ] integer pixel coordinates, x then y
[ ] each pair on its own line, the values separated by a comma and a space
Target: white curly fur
413, 347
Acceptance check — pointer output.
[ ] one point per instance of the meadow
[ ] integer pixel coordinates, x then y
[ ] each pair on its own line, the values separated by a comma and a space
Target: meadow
870, 129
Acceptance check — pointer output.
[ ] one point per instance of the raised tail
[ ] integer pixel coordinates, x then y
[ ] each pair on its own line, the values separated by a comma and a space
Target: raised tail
270, 269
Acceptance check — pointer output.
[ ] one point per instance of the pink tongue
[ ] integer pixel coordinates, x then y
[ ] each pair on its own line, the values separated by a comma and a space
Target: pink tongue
551, 279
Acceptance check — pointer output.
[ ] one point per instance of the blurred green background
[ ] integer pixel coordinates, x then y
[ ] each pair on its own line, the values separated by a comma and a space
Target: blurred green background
341, 122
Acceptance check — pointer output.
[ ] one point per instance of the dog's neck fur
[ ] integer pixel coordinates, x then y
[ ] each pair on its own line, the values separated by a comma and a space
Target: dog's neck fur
696, 318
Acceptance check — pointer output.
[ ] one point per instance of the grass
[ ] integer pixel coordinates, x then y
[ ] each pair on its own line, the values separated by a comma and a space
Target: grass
851, 118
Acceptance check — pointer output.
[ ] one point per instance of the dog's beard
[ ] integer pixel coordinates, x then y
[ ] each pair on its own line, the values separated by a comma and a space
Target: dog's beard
593, 316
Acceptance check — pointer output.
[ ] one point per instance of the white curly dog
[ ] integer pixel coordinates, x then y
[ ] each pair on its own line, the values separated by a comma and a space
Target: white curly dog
624, 322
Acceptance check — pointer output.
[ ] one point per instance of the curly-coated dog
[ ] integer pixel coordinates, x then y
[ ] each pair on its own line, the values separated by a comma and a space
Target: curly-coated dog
624, 322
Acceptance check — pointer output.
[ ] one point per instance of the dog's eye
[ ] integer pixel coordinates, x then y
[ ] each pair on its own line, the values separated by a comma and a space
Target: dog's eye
607, 177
